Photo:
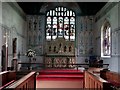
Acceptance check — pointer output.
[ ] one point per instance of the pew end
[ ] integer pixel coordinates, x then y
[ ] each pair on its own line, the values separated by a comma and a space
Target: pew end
92, 81
25, 83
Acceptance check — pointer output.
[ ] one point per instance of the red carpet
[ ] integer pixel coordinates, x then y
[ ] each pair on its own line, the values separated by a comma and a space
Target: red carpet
59, 78
60, 74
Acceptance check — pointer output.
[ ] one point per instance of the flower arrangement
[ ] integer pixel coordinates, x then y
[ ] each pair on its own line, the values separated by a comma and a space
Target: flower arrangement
30, 53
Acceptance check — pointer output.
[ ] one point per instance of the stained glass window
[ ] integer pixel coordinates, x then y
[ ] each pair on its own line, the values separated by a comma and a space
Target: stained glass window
60, 23
106, 40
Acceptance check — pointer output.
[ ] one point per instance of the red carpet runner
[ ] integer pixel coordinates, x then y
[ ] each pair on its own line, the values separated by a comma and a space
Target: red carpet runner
67, 79
60, 74
60, 79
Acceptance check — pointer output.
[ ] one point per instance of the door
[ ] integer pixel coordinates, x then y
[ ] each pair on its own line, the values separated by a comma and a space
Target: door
3, 58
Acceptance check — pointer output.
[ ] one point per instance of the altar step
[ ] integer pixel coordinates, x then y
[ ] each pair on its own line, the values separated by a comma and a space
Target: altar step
61, 74
60, 71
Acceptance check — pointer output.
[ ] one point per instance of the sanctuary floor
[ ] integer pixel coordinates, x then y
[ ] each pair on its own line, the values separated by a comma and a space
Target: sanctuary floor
60, 79
59, 84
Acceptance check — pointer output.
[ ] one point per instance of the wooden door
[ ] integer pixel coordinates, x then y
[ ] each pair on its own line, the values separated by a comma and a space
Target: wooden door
3, 58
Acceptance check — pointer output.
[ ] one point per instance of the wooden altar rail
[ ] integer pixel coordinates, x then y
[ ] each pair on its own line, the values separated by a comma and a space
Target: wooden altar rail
93, 82
43, 65
28, 82
80, 65
6, 78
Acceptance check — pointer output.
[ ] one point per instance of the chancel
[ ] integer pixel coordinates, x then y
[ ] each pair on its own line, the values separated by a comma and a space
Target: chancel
59, 45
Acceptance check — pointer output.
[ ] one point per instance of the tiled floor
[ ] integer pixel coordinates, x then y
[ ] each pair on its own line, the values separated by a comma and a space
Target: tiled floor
59, 84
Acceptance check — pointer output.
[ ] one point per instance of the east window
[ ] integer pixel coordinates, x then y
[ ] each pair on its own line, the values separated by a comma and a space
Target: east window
60, 23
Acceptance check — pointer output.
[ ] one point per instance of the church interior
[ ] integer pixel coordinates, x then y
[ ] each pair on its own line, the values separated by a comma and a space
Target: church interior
59, 44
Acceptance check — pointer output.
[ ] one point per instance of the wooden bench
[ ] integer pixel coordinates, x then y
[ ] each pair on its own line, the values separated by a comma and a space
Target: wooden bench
25, 83
112, 77
3, 87
6, 78
94, 82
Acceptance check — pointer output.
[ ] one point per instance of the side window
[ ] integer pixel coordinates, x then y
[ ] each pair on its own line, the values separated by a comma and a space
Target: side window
106, 40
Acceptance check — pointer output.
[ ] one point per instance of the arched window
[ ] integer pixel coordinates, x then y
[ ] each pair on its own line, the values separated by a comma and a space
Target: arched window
60, 23
106, 40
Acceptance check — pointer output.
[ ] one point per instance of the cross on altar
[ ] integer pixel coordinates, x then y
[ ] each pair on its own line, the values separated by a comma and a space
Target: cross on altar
6, 39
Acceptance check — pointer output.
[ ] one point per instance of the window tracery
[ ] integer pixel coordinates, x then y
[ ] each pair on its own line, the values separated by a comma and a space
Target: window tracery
60, 23
106, 40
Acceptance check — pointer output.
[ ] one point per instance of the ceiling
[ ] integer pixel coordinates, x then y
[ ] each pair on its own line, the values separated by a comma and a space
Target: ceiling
87, 8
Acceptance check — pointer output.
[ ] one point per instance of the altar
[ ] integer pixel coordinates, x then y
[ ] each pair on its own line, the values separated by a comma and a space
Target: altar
60, 54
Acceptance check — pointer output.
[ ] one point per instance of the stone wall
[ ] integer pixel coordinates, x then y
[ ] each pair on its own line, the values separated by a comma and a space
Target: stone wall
109, 12
13, 22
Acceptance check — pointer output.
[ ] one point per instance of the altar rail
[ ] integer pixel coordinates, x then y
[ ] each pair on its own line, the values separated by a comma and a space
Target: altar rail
94, 82
43, 65
25, 83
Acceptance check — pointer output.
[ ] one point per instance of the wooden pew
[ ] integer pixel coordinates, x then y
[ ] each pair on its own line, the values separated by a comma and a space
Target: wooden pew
6, 78
112, 77
20, 74
25, 83
94, 82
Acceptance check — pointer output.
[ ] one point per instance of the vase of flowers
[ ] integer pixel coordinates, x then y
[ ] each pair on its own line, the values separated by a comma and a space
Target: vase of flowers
30, 54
